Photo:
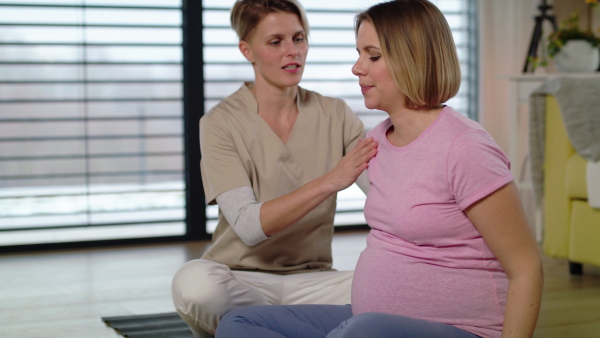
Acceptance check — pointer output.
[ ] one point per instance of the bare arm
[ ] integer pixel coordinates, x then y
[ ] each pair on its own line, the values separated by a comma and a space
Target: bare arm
280, 213
501, 221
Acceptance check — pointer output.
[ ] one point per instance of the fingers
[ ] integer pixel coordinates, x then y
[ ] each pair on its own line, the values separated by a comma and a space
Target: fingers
353, 164
364, 151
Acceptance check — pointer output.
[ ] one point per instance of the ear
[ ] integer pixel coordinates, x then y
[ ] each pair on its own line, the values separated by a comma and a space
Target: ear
246, 51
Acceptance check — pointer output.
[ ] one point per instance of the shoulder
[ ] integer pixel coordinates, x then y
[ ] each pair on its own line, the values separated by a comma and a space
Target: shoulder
232, 107
471, 143
460, 122
461, 129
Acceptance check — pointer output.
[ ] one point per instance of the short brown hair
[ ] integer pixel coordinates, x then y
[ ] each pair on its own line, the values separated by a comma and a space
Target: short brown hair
419, 50
247, 14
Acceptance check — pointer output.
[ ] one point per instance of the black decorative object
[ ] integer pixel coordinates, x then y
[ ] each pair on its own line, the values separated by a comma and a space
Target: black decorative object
537, 34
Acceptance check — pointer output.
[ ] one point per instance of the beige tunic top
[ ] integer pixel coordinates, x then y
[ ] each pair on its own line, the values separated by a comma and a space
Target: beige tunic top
240, 149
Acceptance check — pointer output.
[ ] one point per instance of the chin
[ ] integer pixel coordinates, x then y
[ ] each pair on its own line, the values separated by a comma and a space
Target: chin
297, 78
370, 105
292, 83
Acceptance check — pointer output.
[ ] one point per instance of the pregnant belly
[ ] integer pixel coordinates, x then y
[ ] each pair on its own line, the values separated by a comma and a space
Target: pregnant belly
392, 283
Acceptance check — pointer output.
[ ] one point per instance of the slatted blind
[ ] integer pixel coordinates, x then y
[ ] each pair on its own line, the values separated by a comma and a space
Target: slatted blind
328, 70
91, 109
90, 120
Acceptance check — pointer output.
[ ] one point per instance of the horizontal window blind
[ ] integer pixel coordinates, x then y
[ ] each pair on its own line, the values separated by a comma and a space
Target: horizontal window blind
328, 70
91, 126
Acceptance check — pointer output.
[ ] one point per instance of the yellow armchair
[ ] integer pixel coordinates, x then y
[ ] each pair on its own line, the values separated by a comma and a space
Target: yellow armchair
571, 225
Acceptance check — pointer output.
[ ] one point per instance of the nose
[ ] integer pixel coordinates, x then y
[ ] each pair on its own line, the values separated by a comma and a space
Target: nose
357, 69
292, 49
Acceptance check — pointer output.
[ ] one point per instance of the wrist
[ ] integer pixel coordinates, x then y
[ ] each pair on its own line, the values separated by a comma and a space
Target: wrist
325, 184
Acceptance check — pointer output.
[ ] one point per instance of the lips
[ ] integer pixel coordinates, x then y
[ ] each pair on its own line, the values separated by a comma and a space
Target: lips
291, 66
364, 88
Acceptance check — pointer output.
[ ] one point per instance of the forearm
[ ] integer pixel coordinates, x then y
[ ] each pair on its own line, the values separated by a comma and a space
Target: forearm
501, 220
523, 303
280, 213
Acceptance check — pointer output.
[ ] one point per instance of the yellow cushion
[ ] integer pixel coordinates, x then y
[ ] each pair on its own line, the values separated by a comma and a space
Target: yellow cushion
557, 151
584, 244
576, 177
571, 225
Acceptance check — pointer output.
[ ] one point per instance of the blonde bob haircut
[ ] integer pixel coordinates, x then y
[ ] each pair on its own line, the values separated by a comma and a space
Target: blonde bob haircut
247, 14
419, 50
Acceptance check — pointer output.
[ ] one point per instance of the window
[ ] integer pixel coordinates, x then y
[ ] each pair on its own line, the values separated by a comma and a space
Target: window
91, 125
99, 103
331, 56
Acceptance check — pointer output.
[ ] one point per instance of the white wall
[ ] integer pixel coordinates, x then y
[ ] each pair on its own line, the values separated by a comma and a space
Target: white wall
505, 33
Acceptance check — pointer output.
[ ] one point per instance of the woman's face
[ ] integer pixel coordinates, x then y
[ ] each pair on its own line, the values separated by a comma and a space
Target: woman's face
277, 49
376, 82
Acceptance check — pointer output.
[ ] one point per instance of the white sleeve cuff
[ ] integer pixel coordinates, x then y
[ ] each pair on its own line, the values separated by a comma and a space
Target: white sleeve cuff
242, 211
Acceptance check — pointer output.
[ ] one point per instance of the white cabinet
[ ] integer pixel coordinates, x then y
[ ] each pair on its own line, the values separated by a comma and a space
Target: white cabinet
521, 87
518, 144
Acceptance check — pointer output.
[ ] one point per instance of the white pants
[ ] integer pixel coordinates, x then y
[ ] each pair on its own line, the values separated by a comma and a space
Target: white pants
203, 291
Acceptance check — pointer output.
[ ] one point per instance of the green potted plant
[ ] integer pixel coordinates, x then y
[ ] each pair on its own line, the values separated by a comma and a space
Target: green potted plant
574, 49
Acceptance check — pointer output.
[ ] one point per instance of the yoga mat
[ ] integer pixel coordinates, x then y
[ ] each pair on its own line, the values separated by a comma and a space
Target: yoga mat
160, 325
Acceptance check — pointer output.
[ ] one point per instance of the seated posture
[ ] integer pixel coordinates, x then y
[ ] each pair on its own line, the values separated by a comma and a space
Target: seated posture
274, 156
450, 252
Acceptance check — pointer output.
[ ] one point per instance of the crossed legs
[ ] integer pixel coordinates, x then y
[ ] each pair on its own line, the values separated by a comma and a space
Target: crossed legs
203, 291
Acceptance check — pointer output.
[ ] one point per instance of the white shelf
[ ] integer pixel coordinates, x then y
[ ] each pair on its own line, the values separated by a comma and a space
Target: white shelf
521, 87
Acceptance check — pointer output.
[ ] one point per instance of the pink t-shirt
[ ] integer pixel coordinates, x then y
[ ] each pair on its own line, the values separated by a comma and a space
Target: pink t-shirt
424, 258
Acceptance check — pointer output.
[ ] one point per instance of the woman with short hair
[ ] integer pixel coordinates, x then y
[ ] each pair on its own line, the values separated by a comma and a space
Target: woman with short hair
450, 252
274, 156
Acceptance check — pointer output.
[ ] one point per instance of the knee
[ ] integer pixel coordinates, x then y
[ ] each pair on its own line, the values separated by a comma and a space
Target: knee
253, 314
236, 315
235, 323
200, 283
358, 326
362, 320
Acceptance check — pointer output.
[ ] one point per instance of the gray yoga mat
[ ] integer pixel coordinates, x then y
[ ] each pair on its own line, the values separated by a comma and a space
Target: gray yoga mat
160, 325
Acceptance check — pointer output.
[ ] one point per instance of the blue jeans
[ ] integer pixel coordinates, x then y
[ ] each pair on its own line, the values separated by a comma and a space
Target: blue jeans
331, 321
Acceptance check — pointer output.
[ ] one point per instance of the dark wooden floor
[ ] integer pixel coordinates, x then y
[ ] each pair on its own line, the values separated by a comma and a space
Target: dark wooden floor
64, 293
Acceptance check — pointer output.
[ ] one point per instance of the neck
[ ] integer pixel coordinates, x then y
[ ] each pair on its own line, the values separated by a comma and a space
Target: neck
408, 124
274, 101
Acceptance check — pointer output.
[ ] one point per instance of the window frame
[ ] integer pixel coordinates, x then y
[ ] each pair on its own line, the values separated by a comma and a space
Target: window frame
193, 109
192, 92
